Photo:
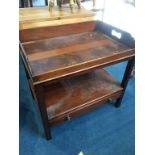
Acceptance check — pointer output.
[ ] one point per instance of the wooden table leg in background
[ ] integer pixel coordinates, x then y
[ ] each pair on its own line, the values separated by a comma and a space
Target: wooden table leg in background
41, 102
31, 3
125, 80
46, 2
94, 3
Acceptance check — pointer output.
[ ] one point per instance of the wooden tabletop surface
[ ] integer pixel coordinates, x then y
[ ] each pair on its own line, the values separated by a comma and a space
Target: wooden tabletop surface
57, 50
58, 56
79, 91
41, 16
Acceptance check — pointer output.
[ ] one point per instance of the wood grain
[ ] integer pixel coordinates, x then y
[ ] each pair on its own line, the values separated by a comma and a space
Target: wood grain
79, 91
83, 109
55, 43
40, 16
64, 55
54, 31
43, 14
66, 60
38, 24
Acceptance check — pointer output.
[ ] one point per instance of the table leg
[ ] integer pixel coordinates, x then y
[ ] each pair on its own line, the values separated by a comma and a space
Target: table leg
31, 3
125, 80
42, 107
78, 3
46, 2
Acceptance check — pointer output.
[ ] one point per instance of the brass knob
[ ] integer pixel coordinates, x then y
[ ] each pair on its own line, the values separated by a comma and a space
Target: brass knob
68, 118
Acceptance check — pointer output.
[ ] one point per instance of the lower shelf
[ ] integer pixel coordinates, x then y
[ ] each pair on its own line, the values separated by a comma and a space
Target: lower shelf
79, 94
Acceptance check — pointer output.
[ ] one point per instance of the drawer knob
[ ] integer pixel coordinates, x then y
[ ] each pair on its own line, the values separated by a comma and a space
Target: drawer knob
68, 118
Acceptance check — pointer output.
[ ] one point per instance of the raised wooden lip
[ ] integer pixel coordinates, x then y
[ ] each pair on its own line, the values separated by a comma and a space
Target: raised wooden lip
54, 74
89, 103
98, 63
67, 24
89, 107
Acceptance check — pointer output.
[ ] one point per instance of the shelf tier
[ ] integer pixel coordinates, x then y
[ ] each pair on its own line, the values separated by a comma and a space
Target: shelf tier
58, 57
79, 94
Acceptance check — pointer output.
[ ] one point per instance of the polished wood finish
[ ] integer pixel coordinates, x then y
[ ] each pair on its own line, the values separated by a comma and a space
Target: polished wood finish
125, 80
40, 93
80, 91
30, 18
63, 64
82, 109
56, 57
41, 33
31, 25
